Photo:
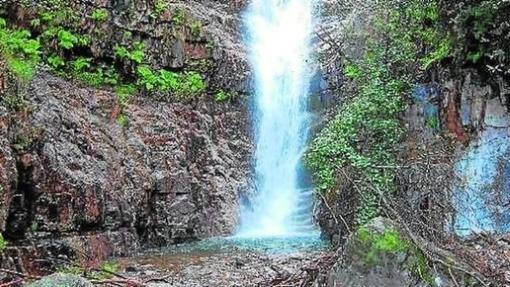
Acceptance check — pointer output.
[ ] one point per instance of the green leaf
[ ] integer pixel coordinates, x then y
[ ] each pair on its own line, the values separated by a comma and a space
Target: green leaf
66, 39
55, 61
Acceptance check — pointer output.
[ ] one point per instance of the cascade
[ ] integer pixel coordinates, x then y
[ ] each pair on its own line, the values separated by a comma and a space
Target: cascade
279, 43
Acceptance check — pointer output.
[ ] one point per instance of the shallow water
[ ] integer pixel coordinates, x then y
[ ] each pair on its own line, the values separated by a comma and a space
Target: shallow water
270, 244
228, 261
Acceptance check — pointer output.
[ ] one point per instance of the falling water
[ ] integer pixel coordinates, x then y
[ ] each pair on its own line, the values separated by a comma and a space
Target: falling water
279, 42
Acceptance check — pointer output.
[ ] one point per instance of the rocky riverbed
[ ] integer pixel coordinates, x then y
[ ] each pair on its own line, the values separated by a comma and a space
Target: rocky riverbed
210, 269
229, 262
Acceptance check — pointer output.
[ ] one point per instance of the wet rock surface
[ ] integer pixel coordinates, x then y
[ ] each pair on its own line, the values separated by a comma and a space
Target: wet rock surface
87, 184
75, 184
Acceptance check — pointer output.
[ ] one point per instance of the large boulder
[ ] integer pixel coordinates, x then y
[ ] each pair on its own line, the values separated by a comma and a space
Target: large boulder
377, 255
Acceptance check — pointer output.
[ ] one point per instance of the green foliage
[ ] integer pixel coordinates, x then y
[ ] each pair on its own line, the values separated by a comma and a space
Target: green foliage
100, 15
107, 269
72, 269
179, 17
110, 266
362, 138
22, 68
196, 28
160, 7
474, 57
100, 76
136, 54
480, 18
21, 52
57, 36
3, 244
147, 78
440, 52
191, 84
352, 71
56, 62
124, 92
221, 96
80, 64
432, 123
66, 39
182, 85
122, 120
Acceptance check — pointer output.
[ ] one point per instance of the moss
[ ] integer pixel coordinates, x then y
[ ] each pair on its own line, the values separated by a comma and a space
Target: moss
107, 268
160, 7
375, 245
72, 269
179, 17
3, 244
196, 28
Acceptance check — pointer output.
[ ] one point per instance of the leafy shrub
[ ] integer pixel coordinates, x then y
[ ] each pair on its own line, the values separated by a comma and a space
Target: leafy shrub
80, 64
147, 78
56, 62
66, 39
182, 85
136, 55
363, 136
21, 52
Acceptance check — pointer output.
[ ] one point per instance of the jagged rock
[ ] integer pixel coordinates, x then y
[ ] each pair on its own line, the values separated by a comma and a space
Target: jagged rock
62, 280
171, 175
8, 171
77, 185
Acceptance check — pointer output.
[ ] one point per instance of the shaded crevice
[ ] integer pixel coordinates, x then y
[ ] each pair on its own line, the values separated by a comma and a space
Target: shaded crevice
21, 215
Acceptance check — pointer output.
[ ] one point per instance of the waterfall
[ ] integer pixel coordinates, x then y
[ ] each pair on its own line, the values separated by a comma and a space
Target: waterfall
279, 43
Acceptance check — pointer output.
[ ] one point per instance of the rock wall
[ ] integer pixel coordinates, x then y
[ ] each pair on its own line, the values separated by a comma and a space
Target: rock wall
76, 184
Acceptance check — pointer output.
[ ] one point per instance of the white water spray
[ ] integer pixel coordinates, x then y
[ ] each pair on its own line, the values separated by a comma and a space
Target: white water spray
279, 42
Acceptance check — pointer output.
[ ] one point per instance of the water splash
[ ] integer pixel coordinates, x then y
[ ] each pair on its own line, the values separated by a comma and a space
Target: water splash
279, 41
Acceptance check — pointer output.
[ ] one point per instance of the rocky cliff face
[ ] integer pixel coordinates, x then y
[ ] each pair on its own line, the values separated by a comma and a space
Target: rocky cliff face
78, 184
450, 188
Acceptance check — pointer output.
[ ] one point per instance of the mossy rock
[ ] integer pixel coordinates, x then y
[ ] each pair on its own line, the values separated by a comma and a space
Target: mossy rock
378, 255
61, 280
